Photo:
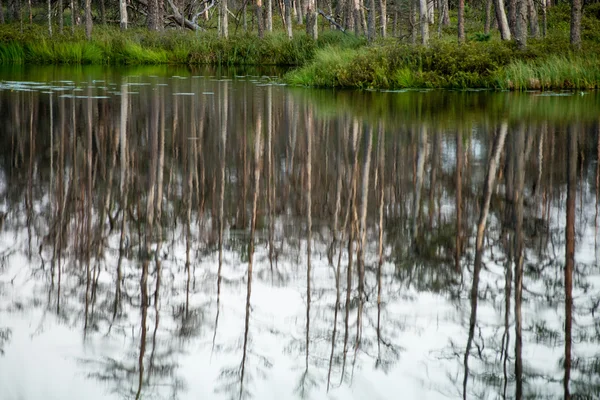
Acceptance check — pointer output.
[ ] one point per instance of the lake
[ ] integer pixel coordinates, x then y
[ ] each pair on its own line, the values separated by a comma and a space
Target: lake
183, 234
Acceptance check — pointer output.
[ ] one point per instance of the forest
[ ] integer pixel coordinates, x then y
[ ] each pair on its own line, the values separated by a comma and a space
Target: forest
520, 44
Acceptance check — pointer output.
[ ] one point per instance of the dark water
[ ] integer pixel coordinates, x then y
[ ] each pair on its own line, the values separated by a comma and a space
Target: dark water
210, 234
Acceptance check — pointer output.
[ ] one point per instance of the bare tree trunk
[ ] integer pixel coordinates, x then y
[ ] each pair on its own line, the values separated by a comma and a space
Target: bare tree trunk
362, 233
570, 252
383, 18
481, 225
521, 28
309, 134
576, 24
371, 22
311, 19
419, 179
544, 5
459, 205
49, 2
269, 17
153, 19
288, 17
224, 19
488, 17
412, 20
73, 16
257, 170
533, 18
221, 216
123, 14
512, 16
356, 17
519, 178
88, 19
61, 16
502, 20
299, 12
260, 19
423, 19
461, 21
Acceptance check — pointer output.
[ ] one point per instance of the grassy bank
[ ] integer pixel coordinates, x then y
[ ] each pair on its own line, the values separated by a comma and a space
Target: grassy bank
336, 59
481, 62
493, 65
111, 46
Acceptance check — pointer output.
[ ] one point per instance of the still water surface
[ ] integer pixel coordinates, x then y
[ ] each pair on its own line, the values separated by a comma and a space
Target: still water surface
177, 234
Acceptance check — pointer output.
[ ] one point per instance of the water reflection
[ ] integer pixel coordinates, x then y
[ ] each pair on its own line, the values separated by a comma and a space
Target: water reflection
182, 235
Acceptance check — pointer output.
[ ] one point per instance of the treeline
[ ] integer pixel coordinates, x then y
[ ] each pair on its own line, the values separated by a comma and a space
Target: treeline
413, 21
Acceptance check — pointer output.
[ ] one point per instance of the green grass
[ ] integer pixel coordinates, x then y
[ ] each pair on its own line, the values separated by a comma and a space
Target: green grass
552, 72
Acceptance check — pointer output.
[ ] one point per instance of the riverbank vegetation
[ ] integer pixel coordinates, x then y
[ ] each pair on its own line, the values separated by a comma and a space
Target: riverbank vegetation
378, 50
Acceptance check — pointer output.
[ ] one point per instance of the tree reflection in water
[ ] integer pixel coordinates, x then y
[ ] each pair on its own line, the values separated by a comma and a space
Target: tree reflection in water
226, 238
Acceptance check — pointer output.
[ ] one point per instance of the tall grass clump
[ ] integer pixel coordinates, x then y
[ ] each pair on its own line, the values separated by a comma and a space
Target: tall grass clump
325, 70
12, 53
552, 72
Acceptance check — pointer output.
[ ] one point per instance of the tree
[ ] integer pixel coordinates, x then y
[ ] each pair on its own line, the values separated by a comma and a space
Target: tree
123, 14
425, 22
521, 27
576, 24
461, 21
311, 19
88, 19
570, 250
223, 20
153, 19
503, 26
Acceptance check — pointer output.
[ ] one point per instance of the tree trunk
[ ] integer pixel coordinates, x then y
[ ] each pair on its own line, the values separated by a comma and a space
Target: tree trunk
49, 17
311, 19
412, 19
223, 17
152, 20
383, 17
299, 13
481, 225
576, 24
269, 16
570, 251
88, 19
459, 202
73, 16
123, 14
533, 19
521, 28
544, 20
356, 17
488, 17
461, 21
502, 20
423, 19
518, 150
288, 17
61, 15
260, 19
1, 12
371, 23
512, 16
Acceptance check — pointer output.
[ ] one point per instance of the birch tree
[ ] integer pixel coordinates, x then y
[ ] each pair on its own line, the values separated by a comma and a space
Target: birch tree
503, 26
424, 20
